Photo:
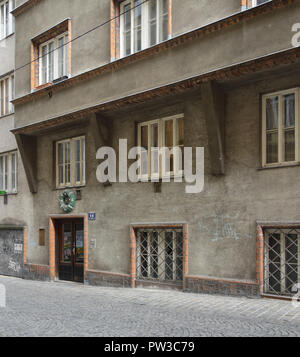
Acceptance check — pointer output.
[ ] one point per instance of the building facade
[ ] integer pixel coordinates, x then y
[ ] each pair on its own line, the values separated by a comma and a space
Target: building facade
219, 75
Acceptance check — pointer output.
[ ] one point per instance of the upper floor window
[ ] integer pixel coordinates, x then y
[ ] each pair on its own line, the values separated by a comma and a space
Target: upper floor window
8, 172
158, 136
53, 59
280, 128
70, 162
143, 24
253, 3
7, 24
7, 89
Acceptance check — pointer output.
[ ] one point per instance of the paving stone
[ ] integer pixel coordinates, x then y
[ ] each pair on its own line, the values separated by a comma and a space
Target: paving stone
36, 308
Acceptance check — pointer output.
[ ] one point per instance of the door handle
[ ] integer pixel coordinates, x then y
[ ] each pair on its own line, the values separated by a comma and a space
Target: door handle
73, 250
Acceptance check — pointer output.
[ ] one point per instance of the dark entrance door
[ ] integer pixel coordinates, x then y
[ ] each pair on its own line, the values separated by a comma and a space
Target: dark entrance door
71, 250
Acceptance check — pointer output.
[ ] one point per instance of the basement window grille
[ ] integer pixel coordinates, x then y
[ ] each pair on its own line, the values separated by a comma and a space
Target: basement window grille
281, 261
160, 254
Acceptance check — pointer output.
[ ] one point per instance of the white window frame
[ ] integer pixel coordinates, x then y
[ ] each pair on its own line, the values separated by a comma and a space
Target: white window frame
177, 172
73, 182
7, 109
254, 3
280, 95
55, 53
145, 43
7, 173
7, 23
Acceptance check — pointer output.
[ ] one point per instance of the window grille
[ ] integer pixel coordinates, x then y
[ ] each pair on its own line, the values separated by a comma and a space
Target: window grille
160, 254
281, 261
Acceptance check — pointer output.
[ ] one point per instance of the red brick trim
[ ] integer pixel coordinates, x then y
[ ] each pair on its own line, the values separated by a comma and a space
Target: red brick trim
164, 46
52, 265
134, 226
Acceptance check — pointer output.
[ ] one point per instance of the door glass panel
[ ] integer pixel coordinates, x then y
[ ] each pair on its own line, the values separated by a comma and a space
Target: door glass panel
79, 247
67, 243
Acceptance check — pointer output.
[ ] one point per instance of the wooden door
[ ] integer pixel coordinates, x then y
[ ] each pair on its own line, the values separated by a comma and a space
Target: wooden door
71, 250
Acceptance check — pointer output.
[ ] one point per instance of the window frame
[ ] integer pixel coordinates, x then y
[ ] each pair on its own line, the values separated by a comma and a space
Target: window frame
8, 107
161, 142
55, 52
145, 37
7, 26
281, 162
7, 185
73, 182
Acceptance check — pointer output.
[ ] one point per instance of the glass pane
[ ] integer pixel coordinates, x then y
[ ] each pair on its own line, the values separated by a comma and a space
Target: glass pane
6, 111
13, 172
67, 163
144, 254
61, 57
2, 97
289, 145
127, 29
144, 144
79, 240
66, 61
51, 61
272, 113
1, 173
77, 160
83, 159
154, 149
164, 20
6, 172
2, 21
44, 64
6, 19
67, 248
180, 139
169, 133
138, 26
272, 147
152, 22
289, 110
169, 260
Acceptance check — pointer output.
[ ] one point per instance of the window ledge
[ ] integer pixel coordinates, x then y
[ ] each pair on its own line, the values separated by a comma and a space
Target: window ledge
6, 37
279, 166
69, 188
10, 194
6, 115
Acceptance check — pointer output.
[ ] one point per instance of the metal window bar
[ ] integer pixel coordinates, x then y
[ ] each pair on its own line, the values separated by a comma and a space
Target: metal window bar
281, 261
159, 254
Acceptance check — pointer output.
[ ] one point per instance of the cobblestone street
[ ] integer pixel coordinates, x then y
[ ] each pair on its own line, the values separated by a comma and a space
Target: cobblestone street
68, 309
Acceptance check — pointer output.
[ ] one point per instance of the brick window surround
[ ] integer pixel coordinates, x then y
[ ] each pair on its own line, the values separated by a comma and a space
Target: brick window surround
133, 246
63, 27
115, 27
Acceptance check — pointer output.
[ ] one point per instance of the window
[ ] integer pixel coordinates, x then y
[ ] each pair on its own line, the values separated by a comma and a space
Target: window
53, 59
280, 139
6, 18
70, 162
7, 88
247, 4
159, 254
281, 261
143, 26
157, 134
8, 172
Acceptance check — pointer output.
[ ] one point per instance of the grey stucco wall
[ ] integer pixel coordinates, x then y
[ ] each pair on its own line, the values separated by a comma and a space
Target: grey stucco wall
222, 241
235, 44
